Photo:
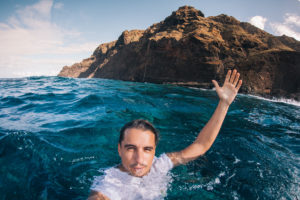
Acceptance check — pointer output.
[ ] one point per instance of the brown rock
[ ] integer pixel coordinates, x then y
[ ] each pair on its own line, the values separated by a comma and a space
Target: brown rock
189, 49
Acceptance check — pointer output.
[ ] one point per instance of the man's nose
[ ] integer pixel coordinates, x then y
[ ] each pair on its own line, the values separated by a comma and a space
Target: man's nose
139, 157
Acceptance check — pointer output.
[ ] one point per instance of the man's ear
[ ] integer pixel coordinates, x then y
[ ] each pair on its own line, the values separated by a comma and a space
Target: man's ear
119, 149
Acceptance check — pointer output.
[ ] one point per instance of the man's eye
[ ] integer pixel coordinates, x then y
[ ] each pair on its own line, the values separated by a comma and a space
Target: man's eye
148, 149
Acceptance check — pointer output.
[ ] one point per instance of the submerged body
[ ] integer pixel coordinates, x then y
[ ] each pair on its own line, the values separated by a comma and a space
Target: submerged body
118, 185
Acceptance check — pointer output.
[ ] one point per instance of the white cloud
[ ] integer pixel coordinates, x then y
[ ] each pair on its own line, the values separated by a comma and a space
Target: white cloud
30, 33
292, 19
283, 29
288, 27
258, 21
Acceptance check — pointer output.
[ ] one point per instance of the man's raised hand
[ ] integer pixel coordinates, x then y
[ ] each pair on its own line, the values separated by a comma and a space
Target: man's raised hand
230, 88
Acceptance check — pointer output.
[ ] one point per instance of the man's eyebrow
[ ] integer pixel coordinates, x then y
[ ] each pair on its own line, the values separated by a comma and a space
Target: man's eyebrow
148, 147
129, 145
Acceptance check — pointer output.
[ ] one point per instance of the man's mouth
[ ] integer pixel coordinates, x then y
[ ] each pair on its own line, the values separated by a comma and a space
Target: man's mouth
138, 170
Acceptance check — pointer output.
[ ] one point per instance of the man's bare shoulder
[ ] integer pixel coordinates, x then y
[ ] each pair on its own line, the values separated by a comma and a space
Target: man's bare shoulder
175, 157
178, 158
94, 195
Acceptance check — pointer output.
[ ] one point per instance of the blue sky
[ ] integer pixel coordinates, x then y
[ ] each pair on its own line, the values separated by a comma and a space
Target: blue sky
39, 37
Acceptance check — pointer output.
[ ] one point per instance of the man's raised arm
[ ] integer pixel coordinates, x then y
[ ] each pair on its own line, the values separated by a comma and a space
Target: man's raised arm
208, 134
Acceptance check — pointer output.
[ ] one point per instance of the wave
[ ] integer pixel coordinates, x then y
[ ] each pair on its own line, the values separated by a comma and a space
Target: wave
275, 100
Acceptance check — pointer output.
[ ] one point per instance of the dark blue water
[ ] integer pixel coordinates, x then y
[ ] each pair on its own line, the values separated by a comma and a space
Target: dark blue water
56, 133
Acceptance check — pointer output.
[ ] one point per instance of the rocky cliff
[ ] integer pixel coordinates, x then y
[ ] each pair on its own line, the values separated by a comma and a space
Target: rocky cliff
190, 49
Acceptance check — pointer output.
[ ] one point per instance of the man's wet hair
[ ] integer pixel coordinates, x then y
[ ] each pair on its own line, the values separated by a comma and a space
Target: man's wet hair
139, 124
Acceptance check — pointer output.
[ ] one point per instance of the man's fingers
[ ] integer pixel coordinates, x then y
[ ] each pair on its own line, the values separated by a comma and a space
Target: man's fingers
232, 76
239, 85
228, 76
215, 84
236, 79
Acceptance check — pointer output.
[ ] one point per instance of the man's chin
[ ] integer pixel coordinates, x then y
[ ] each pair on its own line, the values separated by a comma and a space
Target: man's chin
138, 172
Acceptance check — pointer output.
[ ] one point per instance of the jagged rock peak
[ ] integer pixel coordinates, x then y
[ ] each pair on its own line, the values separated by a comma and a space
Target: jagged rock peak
183, 14
225, 19
188, 11
129, 36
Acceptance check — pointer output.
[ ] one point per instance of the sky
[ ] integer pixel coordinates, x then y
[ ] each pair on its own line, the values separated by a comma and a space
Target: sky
39, 37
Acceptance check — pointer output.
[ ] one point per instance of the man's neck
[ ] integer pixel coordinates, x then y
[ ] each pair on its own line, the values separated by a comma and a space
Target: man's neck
122, 168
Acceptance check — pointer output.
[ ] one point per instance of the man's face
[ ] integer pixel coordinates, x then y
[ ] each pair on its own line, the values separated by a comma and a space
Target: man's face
137, 151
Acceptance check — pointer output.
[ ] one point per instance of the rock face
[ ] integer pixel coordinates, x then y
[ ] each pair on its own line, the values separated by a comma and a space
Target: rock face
191, 50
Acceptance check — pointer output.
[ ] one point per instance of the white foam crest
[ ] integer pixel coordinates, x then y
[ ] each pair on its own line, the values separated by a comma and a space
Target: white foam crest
202, 89
230, 177
235, 195
211, 184
236, 160
276, 100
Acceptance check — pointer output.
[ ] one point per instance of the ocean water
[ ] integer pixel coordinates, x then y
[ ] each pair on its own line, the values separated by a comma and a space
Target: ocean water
56, 133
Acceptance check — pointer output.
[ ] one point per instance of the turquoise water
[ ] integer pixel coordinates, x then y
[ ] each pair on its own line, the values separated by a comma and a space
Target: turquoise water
56, 133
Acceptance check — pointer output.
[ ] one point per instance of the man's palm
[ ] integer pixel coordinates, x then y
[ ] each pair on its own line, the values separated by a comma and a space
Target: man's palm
230, 87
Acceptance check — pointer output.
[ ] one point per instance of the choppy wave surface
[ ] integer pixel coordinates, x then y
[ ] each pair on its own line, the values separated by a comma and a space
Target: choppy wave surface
56, 133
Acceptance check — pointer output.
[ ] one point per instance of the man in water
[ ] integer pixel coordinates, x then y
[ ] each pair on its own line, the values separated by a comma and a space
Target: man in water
143, 176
